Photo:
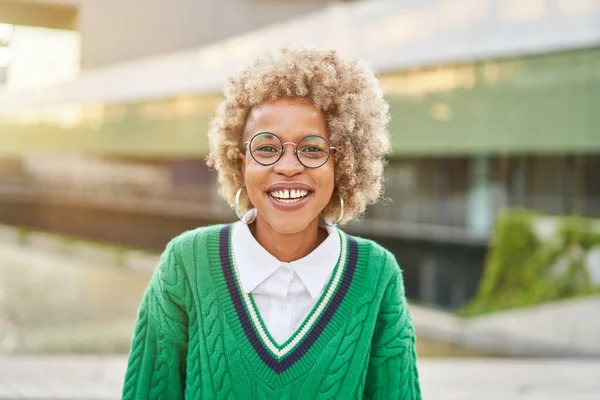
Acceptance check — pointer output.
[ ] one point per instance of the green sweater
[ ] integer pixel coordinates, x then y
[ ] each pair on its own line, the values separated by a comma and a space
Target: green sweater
199, 336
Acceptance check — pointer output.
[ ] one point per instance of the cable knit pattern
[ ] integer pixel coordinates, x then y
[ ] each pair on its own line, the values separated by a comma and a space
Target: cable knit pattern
194, 339
334, 377
160, 329
192, 390
213, 340
136, 355
393, 349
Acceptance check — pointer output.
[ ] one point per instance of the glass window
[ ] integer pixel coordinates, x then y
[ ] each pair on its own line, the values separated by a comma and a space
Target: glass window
591, 186
545, 183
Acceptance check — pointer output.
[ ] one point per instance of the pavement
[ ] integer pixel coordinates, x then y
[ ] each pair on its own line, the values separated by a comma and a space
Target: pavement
100, 378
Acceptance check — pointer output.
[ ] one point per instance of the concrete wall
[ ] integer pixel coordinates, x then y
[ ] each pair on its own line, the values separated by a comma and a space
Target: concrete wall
117, 30
563, 328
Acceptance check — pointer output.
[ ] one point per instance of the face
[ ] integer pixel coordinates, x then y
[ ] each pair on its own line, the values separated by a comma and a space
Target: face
287, 195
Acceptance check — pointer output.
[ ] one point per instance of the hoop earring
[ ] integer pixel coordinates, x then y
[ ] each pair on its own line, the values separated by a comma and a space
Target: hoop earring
341, 214
237, 211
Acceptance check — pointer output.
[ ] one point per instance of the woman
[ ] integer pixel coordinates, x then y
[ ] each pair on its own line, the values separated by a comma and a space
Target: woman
283, 305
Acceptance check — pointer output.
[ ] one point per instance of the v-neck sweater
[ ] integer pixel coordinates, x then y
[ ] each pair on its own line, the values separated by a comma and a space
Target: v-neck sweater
284, 292
199, 336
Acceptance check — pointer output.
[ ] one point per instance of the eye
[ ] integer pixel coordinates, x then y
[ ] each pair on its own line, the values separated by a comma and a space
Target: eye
313, 152
267, 149
311, 149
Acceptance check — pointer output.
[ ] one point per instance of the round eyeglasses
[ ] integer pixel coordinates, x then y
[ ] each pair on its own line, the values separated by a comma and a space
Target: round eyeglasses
267, 148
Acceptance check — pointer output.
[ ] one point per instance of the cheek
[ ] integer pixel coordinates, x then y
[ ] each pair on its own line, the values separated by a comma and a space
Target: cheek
327, 179
254, 178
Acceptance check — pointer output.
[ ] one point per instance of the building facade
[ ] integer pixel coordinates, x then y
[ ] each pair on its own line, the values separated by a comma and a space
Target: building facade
504, 118
114, 31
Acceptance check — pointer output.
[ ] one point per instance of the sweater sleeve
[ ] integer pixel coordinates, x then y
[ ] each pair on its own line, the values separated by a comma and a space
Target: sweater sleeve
392, 372
157, 360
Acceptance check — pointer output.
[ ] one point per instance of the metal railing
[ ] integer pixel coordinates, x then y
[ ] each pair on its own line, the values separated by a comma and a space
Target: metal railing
449, 219
182, 201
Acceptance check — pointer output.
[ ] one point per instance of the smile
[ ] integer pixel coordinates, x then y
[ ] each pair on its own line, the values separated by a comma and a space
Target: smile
286, 196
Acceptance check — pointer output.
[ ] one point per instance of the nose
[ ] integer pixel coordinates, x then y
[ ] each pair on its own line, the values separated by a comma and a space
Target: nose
288, 164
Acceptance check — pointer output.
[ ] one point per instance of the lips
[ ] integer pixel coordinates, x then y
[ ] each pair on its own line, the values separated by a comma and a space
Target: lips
289, 193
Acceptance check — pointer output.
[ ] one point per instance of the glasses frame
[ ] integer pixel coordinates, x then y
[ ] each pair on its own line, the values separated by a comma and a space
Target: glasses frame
246, 145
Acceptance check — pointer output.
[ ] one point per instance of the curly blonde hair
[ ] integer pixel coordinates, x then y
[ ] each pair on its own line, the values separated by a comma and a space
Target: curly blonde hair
349, 95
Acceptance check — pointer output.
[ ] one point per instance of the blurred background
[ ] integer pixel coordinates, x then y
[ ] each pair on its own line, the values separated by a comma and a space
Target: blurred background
493, 185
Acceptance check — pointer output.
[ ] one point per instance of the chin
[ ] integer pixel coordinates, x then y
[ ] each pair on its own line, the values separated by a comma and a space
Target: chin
288, 225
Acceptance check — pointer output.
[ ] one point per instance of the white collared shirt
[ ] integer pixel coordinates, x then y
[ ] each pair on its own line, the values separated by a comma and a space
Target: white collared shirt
284, 293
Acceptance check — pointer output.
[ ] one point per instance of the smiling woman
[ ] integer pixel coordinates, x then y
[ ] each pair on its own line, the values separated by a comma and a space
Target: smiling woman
283, 304
289, 189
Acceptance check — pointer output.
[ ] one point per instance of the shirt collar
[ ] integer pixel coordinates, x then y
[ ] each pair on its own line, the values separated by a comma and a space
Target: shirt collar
255, 264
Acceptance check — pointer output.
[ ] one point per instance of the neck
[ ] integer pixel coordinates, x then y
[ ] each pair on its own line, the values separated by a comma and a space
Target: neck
288, 247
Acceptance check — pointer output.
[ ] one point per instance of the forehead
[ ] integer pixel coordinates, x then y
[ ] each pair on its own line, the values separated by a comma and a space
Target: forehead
288, 118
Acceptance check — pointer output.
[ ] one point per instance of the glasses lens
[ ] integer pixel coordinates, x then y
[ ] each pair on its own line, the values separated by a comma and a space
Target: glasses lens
265, 148
313, 151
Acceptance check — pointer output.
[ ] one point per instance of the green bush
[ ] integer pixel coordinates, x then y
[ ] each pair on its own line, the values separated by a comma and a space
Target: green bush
521, 270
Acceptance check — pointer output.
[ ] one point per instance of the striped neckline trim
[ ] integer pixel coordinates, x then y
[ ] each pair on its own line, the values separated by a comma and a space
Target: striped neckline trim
277, 358
280, 351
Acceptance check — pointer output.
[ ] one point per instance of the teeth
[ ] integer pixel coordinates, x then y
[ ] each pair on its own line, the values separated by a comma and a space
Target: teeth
287, 194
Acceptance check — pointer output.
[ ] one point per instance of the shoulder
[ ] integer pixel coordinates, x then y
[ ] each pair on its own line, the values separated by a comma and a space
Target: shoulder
379, 258
188, 249
194, 239
184, 255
